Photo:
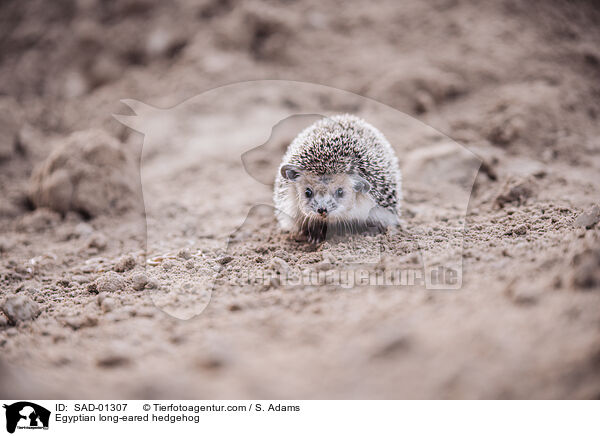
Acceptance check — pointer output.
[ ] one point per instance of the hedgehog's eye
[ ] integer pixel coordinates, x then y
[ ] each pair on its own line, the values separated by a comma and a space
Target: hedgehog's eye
339, 192
308, 193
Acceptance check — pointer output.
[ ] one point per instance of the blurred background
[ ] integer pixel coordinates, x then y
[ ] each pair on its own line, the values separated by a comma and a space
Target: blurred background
518, 83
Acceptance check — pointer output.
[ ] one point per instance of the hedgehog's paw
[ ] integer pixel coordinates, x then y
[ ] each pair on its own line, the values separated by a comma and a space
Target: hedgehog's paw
375, 227
315, 232
304, 237
300, 236
315, 239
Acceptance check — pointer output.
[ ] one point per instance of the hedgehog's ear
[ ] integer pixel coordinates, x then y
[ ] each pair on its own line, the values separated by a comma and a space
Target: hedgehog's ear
290, 172
360, 184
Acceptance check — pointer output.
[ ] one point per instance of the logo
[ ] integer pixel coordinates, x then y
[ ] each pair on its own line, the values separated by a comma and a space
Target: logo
26, 415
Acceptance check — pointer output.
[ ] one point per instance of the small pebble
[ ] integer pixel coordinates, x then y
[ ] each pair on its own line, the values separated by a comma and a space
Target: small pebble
329, 257
225, 260
586, 270
83, 229
520, 230
152, 284
100, 298
92, 288
323, 266
112, 360
515, 192
78, 322
98, 241
278, 264
108, 304
110, 282
125, 263
522, 295
139, 281
281, 254
391, 346
589, 218
81, 279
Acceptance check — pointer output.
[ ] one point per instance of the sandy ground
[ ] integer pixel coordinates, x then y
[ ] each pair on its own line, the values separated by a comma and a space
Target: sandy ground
492, 108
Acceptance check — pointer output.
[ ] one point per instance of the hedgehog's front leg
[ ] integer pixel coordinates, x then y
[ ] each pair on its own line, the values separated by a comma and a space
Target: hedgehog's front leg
315, 231
374, 227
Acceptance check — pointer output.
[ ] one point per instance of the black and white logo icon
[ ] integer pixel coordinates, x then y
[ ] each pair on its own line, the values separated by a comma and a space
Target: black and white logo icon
26, 415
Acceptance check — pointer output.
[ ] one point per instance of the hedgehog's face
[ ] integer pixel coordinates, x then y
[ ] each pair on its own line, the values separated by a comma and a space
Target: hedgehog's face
325, 197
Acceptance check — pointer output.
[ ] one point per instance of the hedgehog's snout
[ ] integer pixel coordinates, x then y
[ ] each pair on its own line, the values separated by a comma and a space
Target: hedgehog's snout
324, 204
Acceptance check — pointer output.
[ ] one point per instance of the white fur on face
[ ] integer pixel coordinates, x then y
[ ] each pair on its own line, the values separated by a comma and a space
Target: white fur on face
324, 194
287, 207
294, 207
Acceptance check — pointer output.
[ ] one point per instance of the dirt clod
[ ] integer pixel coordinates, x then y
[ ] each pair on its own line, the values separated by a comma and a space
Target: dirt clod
279, 265
100, 297
139, 281
97, 240
19, 308
125, 263
39, 220
257, 30
520, 230
108, 304
586, 273
442, 163
589, 218
224, 260
81, 321
113, 360
110, 282
89, 173
393, 345
515, 192
523, 295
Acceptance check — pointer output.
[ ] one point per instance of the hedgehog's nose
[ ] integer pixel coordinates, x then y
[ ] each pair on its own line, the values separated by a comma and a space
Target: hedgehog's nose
322, 211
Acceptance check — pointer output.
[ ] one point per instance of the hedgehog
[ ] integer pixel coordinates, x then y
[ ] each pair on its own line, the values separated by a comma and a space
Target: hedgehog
339, 175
